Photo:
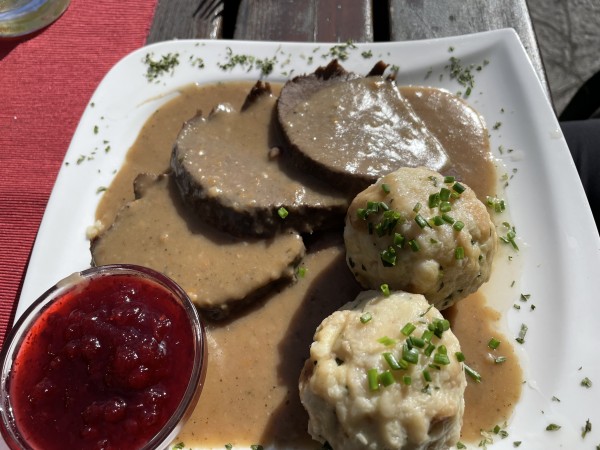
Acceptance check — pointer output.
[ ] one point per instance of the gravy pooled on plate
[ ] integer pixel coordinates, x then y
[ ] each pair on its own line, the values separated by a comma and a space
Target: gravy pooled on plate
255, 357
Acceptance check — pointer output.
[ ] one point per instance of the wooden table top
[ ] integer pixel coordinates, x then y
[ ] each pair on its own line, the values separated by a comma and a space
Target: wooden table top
341, 21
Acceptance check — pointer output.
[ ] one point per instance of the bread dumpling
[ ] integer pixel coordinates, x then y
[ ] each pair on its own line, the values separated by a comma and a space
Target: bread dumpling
418, 231
383, 374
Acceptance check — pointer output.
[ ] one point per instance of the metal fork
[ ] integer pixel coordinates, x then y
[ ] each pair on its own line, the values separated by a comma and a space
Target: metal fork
208, 18
209, 9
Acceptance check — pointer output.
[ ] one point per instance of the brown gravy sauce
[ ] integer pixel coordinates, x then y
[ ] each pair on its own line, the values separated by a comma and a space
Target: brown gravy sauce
251, 390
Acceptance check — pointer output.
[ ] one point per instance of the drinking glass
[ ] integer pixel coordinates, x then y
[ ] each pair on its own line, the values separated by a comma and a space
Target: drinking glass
21, 17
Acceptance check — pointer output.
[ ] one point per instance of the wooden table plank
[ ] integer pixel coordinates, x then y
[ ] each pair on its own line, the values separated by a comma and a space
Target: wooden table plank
425, 19
187, 19
305, 20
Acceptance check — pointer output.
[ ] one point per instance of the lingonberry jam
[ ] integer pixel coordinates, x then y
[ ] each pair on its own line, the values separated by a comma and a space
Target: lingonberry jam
105, 366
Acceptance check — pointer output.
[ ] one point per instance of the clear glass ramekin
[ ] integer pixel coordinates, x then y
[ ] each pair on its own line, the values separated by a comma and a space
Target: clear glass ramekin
8, 426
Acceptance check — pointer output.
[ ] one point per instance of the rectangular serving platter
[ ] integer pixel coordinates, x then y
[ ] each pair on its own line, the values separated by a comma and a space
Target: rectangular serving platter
559, 244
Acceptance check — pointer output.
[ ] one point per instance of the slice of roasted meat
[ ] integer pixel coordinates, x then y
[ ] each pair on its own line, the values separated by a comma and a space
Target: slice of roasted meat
229, 169
218, 271
351, 130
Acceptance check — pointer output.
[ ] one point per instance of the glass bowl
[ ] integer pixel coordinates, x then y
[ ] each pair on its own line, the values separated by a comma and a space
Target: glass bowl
117, 349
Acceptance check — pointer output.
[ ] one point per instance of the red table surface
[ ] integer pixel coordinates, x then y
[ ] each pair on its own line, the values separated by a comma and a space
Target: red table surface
46, 81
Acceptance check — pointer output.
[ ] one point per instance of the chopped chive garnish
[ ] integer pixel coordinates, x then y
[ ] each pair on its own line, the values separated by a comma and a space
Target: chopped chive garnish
398, 240
417, 341
421, 221
408, 329
393, 362
372, 208
387, 341
282, 212
442, 349
372, 377
407, 380
553, 427
388, 223
510, 236
460, 445
414, 245
458, 225
587, 428
445, 207
437, 220
441, 359
388, 256
410, 355
417, 207
459, 253
385, 188
497, 204
445, 194
439, 326
427, 375
386, 378
427, 335
586, 382
366, 317
473, 374
499, 359
493, 343
449, 180
460, 357
458, 188
301, 272
429, 350
522, 332
385, 289
434, 200
448, 219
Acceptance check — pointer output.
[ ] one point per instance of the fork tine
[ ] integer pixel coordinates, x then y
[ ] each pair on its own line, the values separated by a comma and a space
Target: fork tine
208, 8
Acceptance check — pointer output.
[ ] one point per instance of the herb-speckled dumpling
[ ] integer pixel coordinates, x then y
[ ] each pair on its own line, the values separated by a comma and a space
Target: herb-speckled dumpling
359, 391
420, 232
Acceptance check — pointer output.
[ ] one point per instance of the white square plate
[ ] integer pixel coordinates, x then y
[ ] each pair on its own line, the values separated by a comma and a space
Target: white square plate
560, 244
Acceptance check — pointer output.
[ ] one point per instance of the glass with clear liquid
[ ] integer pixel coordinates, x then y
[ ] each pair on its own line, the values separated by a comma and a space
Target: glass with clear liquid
21, 17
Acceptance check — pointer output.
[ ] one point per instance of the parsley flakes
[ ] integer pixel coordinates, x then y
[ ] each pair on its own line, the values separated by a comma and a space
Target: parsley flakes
157, 68
340, 51
464, 74
248, 62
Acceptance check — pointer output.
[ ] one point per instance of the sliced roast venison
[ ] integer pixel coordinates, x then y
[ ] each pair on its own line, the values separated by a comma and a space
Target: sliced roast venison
230, 170
158, 231
352, 130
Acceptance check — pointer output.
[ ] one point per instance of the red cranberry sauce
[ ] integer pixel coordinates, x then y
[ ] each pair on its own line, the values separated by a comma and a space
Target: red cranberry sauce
103, 368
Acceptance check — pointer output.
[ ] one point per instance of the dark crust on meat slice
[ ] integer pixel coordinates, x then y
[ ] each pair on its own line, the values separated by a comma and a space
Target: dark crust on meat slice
257, 91
224, 310
256, 221
378, 69
299, 89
